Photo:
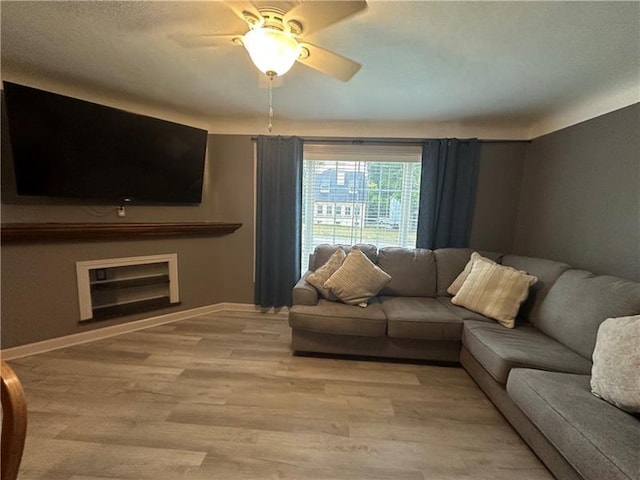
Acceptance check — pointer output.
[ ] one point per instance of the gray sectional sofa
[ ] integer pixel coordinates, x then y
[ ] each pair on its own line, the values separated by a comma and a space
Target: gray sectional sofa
537, 373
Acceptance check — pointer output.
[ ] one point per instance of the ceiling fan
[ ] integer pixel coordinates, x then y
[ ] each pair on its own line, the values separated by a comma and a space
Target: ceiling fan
274, 34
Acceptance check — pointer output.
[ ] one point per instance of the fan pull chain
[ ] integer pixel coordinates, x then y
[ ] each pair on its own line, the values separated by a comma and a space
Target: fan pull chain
270, 126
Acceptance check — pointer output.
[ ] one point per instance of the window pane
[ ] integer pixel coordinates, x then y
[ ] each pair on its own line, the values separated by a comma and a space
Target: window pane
374, 202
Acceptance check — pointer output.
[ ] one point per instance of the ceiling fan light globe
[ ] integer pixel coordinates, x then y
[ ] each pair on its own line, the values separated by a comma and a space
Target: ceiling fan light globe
272, 51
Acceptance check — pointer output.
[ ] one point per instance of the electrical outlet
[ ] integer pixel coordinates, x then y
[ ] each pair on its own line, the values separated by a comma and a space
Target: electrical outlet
122, 212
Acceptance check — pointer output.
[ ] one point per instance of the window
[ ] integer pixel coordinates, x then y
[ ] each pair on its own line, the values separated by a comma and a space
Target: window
319, 210
376, 187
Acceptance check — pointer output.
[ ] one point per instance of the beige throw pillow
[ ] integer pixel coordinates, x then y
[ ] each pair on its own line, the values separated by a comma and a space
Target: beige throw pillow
454, 288
495, 291
615, 375
322, 274
357, 280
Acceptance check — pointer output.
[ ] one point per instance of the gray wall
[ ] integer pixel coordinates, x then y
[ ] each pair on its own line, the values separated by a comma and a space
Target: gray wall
499, 183
39, 291
577, 191
580, 200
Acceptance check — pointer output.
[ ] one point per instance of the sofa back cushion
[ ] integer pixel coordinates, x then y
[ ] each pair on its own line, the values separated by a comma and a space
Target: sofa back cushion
412, 270
451, 261
547, 272
323, 252
579, 301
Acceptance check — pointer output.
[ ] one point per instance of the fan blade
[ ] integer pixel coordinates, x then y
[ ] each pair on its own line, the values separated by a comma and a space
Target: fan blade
206, 40
328, 62
247, 11
314, 16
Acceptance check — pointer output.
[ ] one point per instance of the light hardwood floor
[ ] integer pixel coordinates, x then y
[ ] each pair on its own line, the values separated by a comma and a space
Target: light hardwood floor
221, 397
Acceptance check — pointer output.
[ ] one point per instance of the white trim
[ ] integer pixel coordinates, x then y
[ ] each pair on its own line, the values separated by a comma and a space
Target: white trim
111, 331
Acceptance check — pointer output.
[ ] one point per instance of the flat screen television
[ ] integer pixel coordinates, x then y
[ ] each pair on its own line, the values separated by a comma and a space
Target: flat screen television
65, 147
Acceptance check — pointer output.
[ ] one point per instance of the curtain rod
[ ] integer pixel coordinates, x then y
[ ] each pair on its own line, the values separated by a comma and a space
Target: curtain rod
387, 141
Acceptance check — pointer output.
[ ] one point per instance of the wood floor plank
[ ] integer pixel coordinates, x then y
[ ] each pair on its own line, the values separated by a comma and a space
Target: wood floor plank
56, 457
161, 434
278, 419
241, 467
311, 401
348, 374
220, 396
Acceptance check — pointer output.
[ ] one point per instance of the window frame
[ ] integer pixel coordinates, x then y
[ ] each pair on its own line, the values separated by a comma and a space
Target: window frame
402, 228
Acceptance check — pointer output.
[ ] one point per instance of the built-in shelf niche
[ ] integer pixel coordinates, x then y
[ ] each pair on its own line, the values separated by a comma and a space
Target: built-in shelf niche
123, 286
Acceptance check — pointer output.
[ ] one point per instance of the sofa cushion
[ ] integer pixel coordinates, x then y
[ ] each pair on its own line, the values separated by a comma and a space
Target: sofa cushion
461, 312
547, 272
338, 318
579, 302
412, 270
597, 439
451, 261
323, 273
615, 376
323, 252
495, 291
420, 317
357, 280
499, 350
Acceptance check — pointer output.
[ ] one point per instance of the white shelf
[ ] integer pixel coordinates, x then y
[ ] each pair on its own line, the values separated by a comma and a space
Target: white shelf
128, 302
124, 279
131, 285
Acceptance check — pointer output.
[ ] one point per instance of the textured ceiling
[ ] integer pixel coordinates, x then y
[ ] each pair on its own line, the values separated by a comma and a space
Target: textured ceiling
509, 65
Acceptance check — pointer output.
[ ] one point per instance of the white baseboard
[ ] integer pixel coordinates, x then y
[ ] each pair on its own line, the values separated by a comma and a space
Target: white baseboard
106, 332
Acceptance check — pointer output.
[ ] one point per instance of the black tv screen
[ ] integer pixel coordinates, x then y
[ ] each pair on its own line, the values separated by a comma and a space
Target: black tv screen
65, 147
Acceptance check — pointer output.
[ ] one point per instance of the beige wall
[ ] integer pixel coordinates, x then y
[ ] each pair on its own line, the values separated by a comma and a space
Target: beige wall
39, 292
580, 200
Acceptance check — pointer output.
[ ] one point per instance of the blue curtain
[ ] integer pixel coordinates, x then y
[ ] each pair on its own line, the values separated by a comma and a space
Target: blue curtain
448, 188
278, 217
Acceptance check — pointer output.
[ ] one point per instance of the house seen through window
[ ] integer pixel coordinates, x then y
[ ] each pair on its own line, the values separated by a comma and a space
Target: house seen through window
359, 194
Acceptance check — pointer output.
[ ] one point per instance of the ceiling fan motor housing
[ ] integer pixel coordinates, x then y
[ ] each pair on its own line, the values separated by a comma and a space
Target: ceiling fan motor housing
273, 18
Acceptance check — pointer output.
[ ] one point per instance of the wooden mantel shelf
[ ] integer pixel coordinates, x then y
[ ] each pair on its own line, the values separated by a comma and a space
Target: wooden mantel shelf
57, 232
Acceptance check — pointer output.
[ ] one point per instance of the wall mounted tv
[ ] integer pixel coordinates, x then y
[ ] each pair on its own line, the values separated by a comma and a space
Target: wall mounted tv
65, 147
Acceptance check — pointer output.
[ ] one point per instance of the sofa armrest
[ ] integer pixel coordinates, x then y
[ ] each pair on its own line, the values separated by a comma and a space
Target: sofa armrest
304, 293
